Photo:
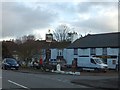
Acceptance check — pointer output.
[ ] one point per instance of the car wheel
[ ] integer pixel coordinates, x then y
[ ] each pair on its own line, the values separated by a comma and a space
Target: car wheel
116, 67
5, 68
81, 69
16, 68
97, 70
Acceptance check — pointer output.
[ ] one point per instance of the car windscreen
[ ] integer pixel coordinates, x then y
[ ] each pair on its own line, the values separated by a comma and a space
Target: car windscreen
12, 61
99, 61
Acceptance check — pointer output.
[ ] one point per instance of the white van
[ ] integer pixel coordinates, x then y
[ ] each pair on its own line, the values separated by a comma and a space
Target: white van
91, 63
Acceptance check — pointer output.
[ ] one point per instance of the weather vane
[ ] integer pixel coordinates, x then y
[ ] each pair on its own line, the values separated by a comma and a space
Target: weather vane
49, 31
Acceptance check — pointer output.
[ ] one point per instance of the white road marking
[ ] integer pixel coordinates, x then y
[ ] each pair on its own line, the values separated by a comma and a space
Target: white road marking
59, 79
17, 84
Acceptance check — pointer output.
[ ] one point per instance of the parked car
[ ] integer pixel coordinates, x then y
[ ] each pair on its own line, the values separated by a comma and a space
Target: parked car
10, 63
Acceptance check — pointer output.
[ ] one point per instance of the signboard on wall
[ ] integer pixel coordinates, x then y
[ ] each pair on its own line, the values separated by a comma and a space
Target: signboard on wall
49, 37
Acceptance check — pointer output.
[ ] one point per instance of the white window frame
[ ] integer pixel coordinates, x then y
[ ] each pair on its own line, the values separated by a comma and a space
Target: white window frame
104, 51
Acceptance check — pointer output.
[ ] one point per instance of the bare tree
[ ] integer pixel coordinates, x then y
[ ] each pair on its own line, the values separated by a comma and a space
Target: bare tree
27, 38
61, 33
31, 37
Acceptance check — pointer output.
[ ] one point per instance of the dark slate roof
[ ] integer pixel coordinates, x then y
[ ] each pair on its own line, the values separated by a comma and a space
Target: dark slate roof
60, 45
97, 41
46, 45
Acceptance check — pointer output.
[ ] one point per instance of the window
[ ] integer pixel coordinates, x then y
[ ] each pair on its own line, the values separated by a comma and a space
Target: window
75, 59
113, 61
93, 51
104, 51
75, 51
92, 61
60, 53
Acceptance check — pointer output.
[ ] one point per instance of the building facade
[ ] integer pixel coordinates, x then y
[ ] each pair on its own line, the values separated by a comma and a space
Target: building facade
104, 46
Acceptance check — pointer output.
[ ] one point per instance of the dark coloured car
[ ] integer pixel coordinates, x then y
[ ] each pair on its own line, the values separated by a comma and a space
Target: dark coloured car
10, 63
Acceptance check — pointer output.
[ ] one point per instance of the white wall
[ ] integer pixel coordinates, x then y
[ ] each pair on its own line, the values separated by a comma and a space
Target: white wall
65, 53
69, 56
53, 53
112, 61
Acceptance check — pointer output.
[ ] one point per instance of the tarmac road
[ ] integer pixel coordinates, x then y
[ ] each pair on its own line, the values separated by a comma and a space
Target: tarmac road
13, 80
35, 79
0, 79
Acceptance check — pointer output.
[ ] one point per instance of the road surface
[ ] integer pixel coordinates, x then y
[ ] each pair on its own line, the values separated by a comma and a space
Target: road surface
12, 80
0, 79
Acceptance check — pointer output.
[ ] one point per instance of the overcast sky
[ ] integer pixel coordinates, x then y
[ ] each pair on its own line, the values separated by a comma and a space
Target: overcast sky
23, 18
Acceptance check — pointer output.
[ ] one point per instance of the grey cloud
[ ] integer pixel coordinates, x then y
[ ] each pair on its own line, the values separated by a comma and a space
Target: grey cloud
19, 20
0, 20
83, 7
98, 24
62, 7
97, 21
86, 7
